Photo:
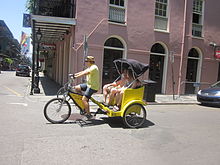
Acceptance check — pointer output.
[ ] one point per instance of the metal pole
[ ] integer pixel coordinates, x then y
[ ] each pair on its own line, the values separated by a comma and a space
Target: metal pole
37, 89
173, 82
33, 59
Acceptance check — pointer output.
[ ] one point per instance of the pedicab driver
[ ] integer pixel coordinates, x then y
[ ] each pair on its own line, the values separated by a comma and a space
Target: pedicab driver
92, 84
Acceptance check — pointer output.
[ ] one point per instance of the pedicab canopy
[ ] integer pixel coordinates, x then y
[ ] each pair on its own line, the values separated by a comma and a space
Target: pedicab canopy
137, 67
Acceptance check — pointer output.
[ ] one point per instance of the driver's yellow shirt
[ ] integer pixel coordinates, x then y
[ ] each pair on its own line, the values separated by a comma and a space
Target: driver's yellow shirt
93, 77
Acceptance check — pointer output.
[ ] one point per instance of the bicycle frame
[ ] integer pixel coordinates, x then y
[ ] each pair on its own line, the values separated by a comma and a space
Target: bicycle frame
77, 99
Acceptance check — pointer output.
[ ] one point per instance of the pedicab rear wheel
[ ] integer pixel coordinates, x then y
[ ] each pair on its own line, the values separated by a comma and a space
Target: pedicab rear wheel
57, 110
134, 115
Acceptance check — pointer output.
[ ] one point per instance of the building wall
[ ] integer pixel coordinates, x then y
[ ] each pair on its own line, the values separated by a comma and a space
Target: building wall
138, 36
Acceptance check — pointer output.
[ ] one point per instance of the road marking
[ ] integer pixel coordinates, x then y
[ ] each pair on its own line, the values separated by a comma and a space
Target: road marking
24, 104
13, 91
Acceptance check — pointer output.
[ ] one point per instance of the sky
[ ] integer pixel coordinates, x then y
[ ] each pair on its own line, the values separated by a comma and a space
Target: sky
11, 12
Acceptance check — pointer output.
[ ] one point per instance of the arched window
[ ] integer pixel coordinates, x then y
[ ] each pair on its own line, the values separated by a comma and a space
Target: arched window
158, 48
193, 53
114, 42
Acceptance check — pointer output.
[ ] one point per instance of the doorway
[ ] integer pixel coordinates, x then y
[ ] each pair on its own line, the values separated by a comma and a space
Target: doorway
156, 69
192, 71
113, 50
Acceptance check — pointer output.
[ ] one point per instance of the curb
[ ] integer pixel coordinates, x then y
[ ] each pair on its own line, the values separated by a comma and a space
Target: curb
170, 103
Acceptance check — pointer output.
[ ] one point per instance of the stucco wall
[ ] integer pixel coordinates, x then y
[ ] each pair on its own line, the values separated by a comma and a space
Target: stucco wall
138, 36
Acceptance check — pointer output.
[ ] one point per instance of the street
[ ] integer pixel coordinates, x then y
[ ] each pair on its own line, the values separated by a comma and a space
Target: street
172, 134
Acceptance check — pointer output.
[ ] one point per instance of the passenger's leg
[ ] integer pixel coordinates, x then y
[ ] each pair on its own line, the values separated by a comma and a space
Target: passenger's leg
119, 98
105, 92
112, 95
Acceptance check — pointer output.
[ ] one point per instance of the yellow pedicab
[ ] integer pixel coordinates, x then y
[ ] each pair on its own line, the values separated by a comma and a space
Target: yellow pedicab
132, 110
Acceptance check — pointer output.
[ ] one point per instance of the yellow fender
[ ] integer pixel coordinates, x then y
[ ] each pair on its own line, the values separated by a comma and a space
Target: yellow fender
129, 103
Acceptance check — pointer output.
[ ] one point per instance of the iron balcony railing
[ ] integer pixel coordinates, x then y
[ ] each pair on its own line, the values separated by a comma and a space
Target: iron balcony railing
55, 8
117, 14
196, 30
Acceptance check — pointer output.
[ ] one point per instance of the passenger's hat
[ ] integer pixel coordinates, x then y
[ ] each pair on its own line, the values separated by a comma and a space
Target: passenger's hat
89, 59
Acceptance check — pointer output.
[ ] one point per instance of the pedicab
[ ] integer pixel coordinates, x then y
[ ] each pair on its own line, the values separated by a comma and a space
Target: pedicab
132, 110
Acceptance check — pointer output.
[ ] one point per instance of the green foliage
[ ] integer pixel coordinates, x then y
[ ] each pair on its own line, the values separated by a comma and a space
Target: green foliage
30, 6
8, 60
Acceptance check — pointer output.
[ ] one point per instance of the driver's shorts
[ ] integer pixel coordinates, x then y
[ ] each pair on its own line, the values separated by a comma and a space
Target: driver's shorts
88, 91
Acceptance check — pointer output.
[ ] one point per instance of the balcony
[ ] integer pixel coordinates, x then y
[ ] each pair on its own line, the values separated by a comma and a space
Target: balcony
53, 18
55, 8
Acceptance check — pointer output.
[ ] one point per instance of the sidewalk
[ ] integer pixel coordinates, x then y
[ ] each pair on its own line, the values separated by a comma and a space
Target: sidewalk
48, 90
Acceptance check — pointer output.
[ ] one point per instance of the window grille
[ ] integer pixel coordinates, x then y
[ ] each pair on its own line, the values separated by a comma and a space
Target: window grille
197, 20
161, 18
196, 30
117, 11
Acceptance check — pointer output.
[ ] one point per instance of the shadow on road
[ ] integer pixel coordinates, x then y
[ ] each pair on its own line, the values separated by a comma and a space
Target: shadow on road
49, 86
113, 122
209, 105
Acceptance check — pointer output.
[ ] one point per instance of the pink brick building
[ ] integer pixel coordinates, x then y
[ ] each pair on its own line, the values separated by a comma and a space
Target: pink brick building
177, 38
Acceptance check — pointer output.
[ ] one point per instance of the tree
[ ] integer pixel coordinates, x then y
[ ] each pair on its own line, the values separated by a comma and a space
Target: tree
30, 6
8, 61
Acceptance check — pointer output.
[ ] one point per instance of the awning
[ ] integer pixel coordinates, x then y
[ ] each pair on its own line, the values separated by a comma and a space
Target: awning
52, 29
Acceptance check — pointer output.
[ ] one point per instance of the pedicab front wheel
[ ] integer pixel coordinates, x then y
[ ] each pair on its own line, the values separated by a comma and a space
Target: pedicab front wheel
57, 110
134, 115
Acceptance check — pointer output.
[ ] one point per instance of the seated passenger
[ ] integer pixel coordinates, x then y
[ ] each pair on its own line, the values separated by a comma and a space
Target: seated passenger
112, 88
132, 83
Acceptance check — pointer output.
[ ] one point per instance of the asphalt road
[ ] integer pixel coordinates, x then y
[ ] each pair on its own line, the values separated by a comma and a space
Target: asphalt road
172, 134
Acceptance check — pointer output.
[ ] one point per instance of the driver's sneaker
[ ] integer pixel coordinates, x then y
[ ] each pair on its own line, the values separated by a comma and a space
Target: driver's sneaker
82, 112
88, 116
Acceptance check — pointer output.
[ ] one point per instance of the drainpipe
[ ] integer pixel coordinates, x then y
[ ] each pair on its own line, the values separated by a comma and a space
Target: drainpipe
182, 47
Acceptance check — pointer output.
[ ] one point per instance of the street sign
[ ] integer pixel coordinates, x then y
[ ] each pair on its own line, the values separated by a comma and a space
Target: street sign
217, 54
26, 20
48, 46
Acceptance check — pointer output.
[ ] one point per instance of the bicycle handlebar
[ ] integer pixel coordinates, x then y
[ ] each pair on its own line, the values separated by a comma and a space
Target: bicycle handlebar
72, 76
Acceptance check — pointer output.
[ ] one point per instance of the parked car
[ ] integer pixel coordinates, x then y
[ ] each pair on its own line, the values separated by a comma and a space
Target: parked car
210, 95
23, 70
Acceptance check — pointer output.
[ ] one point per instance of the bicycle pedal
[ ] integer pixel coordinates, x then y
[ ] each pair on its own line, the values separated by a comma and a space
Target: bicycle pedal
99, 111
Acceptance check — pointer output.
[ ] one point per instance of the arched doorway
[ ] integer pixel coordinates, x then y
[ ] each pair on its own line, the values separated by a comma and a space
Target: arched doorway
192, 71
113, 49
156, 71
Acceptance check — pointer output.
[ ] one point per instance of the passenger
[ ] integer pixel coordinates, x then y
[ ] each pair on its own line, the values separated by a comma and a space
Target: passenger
92, 85
118, 88
112, 88
132, 83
